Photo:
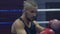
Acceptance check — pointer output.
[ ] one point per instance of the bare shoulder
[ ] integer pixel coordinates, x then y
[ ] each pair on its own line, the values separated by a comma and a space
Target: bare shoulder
18, 27
18, 23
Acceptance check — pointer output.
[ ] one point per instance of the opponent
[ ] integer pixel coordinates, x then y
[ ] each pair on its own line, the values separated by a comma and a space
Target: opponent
26, 24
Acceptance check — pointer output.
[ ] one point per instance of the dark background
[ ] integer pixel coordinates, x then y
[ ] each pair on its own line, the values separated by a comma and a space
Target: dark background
52, 14
9, 11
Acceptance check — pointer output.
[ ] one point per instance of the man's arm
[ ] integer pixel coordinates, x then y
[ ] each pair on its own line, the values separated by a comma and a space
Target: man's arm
18, 28
38, 27
20, 31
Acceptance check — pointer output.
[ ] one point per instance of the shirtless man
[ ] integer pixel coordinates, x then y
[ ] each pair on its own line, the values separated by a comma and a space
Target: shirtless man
26, 24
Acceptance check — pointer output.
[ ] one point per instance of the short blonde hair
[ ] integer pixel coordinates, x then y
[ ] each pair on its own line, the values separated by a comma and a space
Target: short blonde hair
29, 4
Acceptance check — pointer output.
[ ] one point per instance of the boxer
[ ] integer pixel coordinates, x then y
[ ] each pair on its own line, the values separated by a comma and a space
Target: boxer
27, 24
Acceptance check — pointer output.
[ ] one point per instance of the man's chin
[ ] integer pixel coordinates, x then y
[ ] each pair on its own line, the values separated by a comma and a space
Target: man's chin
32, 19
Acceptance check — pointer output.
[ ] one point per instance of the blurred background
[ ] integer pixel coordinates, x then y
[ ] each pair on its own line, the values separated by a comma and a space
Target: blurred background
10, 10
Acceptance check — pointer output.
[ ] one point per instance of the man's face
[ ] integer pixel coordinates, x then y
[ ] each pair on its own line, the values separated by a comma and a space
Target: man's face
31, 14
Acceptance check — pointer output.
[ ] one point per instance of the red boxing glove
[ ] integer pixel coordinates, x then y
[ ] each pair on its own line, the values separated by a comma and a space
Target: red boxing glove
47, 31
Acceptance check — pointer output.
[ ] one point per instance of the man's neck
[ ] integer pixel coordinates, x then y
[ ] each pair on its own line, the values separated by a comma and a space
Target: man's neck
26, 21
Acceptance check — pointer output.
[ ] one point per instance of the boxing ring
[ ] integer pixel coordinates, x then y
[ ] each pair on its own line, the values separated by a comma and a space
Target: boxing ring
47, 10
11, 15
20, 11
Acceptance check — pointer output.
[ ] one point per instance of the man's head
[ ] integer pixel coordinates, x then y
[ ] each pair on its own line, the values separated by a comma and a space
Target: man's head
30, 10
